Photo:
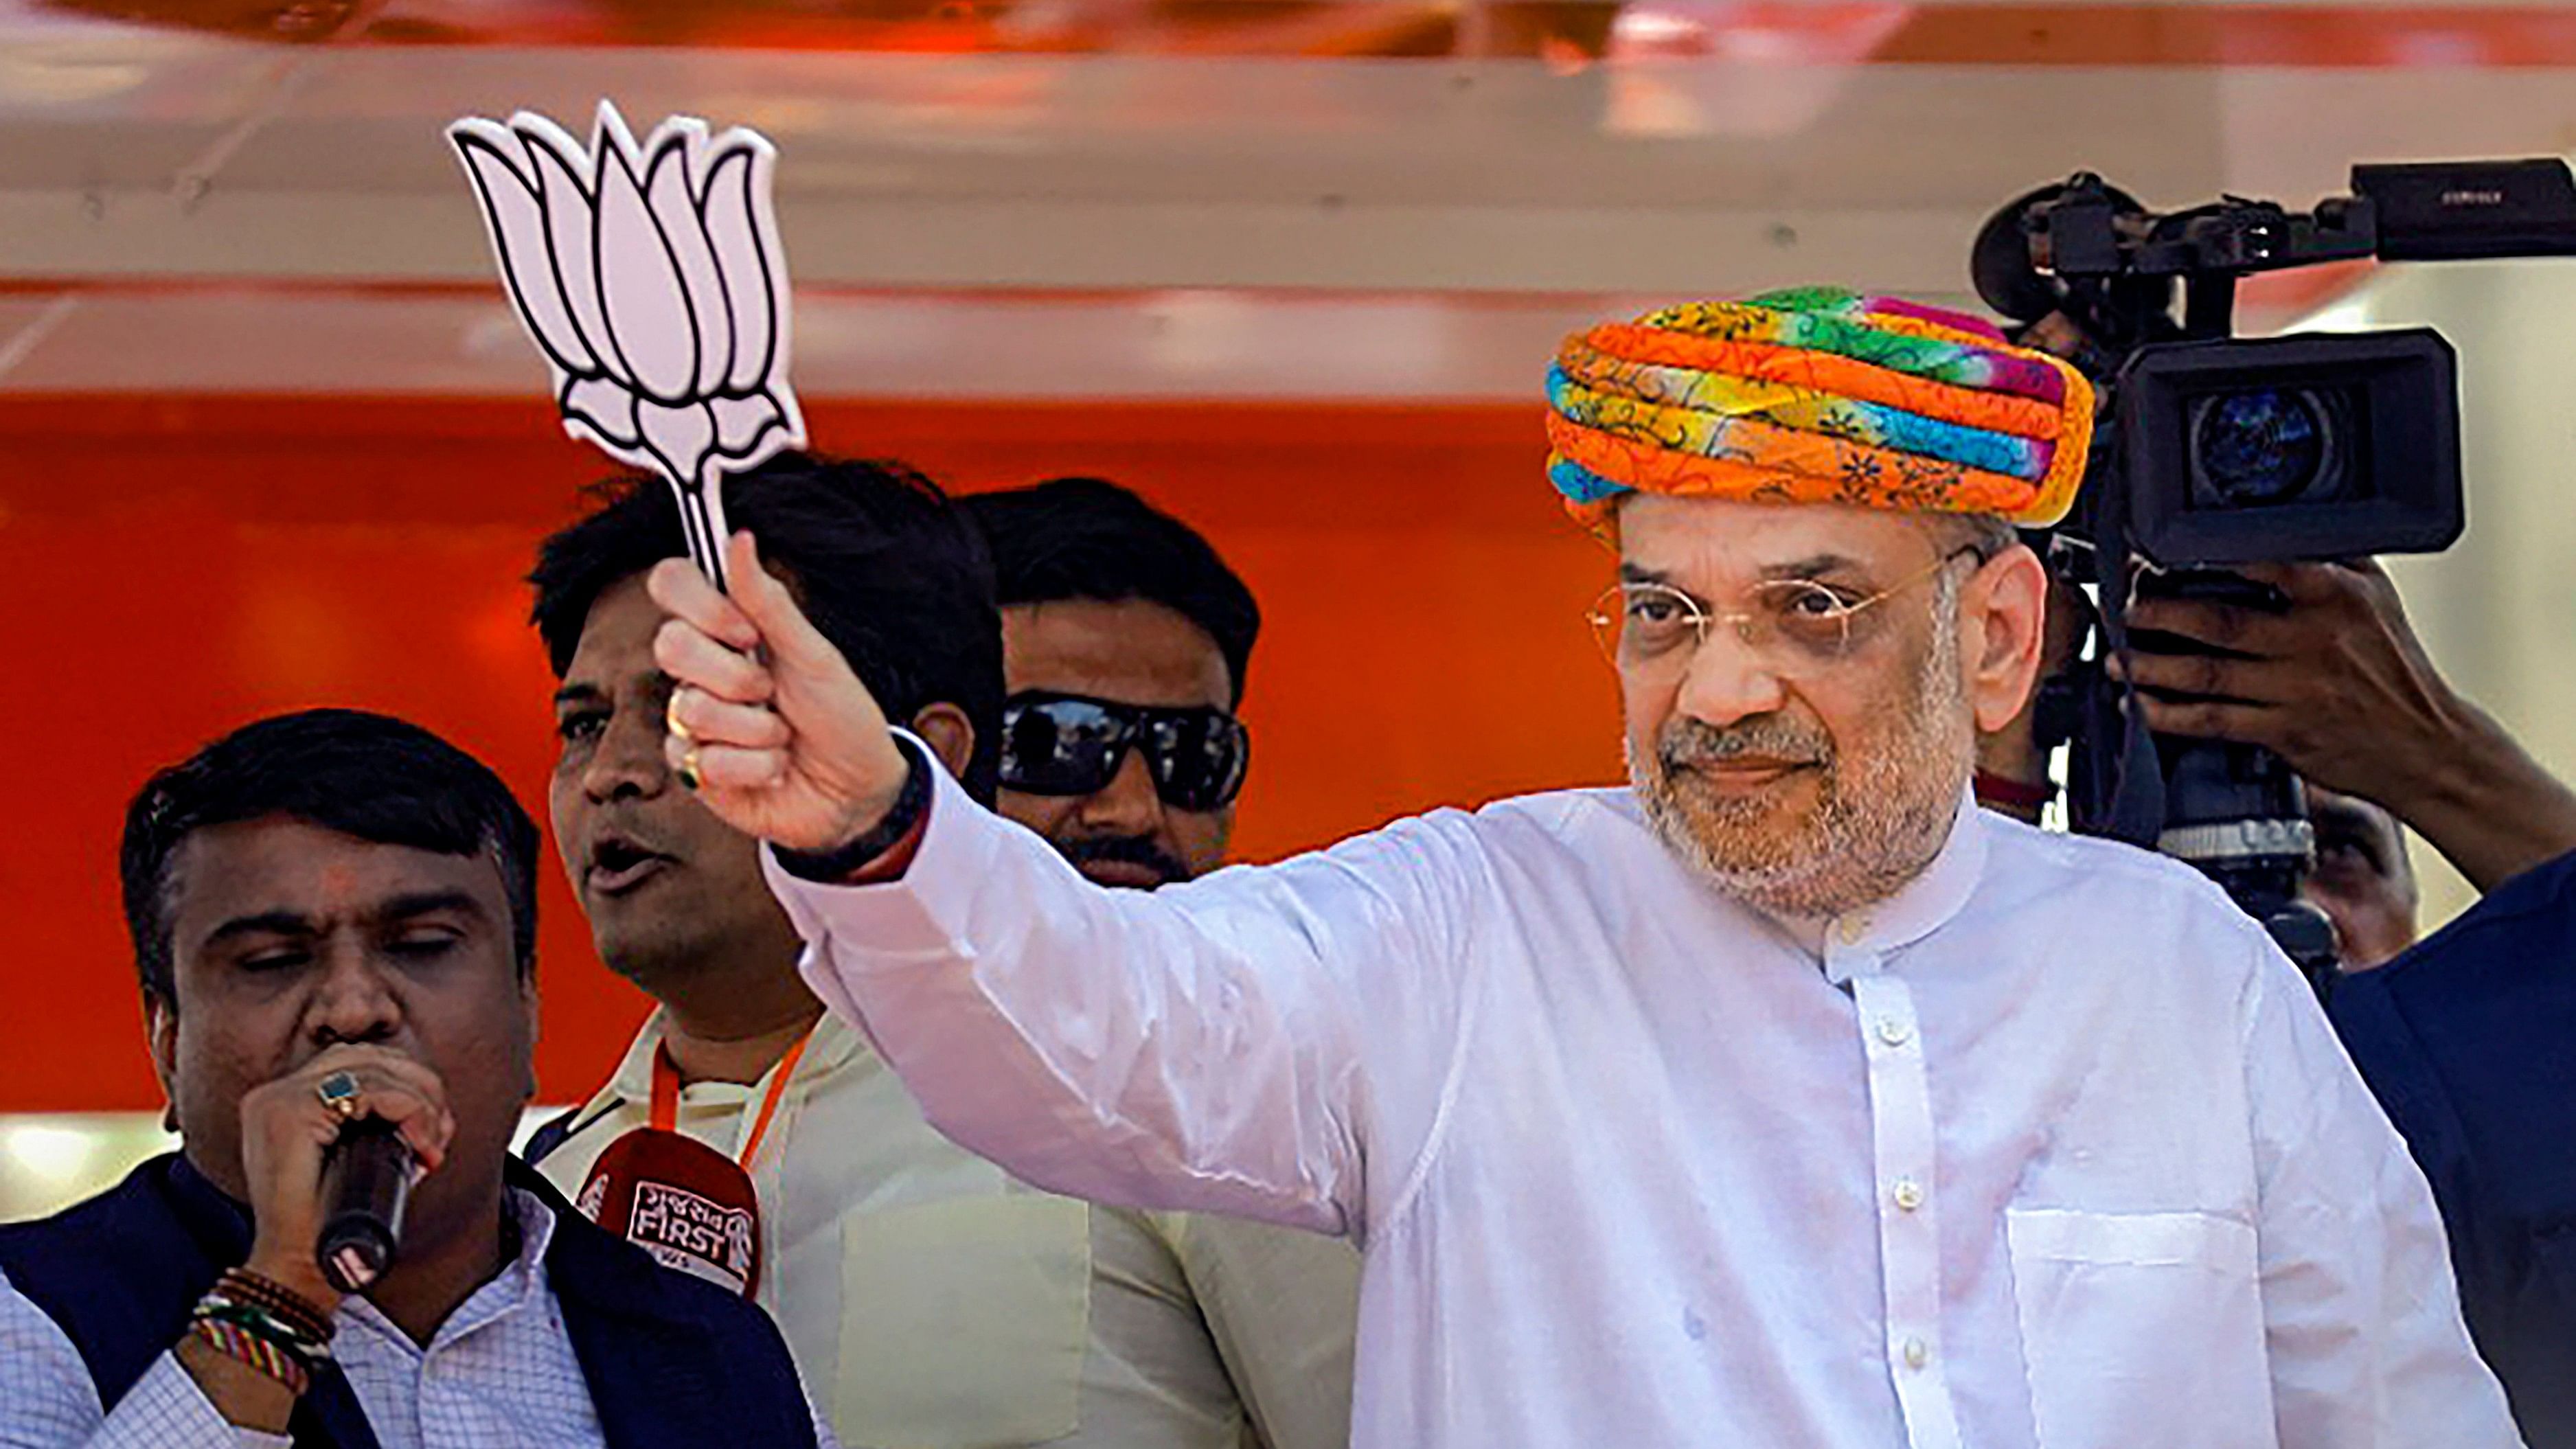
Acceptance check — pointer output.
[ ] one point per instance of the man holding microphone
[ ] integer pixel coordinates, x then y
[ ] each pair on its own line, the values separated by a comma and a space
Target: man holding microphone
333, 920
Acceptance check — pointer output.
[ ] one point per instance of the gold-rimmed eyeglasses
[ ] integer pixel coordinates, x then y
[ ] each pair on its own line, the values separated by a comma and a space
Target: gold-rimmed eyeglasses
1788, 624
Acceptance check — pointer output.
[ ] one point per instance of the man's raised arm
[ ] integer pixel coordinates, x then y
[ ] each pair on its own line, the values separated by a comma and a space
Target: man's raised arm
1270, 1043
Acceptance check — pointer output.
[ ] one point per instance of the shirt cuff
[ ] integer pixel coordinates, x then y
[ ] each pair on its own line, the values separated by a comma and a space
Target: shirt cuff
167, 1409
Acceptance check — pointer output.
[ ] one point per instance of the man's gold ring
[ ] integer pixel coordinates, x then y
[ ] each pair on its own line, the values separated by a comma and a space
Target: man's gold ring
671, 720
339, 1092
689, 775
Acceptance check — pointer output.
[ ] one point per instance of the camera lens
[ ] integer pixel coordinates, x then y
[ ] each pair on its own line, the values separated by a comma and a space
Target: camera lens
2261, 446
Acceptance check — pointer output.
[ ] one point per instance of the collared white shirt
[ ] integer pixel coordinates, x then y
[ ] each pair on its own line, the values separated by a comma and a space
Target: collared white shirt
933, 1302
498, 1374
2054, 1150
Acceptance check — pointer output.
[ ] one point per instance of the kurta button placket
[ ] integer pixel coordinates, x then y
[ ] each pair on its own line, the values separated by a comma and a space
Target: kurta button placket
1909, 1244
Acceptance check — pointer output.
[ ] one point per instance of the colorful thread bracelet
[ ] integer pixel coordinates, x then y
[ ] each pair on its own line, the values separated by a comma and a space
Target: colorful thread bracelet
244, 1346
254, 1318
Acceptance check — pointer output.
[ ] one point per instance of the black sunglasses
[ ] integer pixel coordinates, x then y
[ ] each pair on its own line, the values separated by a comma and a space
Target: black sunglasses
1072, 744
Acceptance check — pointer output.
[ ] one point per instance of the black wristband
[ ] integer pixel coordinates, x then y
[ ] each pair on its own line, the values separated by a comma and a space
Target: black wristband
831, 867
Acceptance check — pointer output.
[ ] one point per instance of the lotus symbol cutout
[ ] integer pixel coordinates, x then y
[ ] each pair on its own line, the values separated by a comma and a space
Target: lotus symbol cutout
652, 279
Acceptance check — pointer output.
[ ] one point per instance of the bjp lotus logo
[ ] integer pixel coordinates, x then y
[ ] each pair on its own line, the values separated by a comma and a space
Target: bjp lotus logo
652, 280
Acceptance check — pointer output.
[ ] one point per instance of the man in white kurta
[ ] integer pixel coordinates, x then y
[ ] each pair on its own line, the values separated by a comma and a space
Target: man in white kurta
1783, 1098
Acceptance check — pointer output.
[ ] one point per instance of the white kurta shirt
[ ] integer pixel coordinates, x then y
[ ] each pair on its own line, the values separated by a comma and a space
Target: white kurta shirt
2053, 1148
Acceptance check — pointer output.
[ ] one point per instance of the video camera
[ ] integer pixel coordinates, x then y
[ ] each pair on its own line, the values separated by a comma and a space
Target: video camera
2213, 450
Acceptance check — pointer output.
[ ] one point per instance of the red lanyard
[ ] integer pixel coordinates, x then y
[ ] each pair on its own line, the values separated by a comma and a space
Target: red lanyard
666, 1096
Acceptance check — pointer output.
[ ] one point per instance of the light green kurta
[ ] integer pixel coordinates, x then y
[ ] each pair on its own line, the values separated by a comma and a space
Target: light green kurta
934, 1302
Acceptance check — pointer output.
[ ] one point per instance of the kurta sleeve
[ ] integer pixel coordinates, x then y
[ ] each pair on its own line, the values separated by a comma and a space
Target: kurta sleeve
1274, 1042
2361, 1316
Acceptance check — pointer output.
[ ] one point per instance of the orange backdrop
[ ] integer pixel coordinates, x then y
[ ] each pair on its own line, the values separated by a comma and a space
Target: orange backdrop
172, 567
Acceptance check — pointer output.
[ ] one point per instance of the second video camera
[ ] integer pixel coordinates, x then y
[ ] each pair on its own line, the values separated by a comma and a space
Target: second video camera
2214, 451
2239, 450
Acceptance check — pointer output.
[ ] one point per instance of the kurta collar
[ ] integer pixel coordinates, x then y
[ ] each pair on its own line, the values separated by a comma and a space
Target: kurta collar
835, 1044
1856, 939
633, 1079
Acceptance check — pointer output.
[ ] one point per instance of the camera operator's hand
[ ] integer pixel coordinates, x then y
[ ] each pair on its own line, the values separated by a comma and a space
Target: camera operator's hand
787, 745
2338, 685
287, 1129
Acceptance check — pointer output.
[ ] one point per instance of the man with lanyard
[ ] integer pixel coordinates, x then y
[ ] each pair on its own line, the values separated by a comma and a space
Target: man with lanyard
334, 920
1125, 644
931, 1298
1783, 1097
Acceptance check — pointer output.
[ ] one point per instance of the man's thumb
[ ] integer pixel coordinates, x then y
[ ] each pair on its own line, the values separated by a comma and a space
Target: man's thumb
764, 598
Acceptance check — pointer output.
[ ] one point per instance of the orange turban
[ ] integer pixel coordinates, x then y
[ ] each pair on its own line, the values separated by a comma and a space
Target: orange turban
1817, 395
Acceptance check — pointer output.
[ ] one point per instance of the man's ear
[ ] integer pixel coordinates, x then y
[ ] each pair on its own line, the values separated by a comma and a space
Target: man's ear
949, 733
161, 1029
2003, 622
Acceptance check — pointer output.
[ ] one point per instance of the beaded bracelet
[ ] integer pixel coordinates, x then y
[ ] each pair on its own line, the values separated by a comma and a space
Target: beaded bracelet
244, 1286
242, 1345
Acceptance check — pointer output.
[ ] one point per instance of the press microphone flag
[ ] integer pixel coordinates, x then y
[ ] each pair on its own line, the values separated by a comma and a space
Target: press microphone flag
680, 1200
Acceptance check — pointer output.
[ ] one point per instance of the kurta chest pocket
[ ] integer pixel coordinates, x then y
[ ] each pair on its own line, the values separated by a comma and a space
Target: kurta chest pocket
2128, 1317
963, 1323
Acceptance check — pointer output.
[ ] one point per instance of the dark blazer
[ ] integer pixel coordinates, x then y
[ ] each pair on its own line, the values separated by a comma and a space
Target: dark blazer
673, 1362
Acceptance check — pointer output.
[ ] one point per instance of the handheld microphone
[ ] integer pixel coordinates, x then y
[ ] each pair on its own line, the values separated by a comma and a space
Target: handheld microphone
366, 1183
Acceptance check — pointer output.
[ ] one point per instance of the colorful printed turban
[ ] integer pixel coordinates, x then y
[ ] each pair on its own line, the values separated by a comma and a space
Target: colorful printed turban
1818, 395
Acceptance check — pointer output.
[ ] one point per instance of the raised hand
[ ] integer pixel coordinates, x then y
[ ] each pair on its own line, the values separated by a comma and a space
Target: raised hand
2335, 683
2338, 685
783, 741
287, 1130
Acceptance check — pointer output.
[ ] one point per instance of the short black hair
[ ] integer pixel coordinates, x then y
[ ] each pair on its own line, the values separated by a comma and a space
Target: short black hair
877, 556
1088, 538
371, 776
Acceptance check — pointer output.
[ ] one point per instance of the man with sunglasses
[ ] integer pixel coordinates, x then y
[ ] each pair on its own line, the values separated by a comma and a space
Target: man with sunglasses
1125, 640
1124, 644
1782, 1097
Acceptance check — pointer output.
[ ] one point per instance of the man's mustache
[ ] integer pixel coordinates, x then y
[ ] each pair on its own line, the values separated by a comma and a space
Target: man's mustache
1687, 743
1126, 850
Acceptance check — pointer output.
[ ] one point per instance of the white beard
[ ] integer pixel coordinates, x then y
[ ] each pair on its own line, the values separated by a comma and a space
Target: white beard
1879, 819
